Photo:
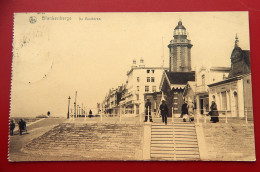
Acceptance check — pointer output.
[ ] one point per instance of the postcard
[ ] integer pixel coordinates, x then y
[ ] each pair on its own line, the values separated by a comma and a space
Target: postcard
156, 86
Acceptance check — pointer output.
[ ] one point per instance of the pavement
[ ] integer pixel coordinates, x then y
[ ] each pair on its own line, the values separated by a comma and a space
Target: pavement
34, 130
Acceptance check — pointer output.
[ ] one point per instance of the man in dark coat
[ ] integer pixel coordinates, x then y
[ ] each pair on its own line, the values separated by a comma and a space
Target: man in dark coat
214, 112
90, 113
148, 106
12, 126
164, 112
21, 126
184, 109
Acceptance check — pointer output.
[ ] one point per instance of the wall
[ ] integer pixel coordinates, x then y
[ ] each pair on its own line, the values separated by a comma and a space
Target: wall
230, 142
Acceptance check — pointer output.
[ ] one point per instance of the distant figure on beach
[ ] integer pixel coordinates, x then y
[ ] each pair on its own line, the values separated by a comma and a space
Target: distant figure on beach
22, 126
164, 112
148, 106
48, 113
214, 112
90, 113
12, 126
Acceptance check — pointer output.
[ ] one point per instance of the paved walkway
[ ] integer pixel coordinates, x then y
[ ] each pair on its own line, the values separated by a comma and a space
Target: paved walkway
34, 130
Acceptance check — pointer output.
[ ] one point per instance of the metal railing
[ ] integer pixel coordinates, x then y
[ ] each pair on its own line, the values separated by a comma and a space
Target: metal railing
127, 113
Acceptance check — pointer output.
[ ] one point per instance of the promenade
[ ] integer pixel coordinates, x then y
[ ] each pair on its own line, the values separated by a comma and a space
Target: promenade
112, 138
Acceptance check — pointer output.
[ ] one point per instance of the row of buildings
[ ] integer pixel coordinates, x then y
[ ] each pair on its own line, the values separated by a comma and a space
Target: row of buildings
230, 87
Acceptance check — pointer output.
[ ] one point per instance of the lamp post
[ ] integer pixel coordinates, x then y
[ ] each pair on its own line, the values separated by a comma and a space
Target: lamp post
68, 109
77, 111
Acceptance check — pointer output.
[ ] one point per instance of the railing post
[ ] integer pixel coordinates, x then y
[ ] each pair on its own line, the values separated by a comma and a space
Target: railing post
204, 117
197, 114
246, 115
172, 115
120, 117
101, 115
140, 116
85, 116
226, 116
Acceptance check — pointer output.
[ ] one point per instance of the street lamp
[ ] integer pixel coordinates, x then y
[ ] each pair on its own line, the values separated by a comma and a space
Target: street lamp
68, 109
77, 111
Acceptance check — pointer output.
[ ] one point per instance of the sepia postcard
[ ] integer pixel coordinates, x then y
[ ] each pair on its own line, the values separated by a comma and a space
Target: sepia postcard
131, 86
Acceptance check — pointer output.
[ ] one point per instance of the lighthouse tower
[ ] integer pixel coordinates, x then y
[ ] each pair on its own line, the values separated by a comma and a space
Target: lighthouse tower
180, 50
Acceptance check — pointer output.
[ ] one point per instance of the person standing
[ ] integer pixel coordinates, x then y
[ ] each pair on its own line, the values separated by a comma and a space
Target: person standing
164, 112
12, 126
90, 113
21, 125
214, 112
184, 109
148, 106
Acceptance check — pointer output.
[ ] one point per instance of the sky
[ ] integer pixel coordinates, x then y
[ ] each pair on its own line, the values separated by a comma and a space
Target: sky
54, 58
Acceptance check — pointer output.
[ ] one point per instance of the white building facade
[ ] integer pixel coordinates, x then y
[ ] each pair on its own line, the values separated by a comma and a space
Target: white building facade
140, 80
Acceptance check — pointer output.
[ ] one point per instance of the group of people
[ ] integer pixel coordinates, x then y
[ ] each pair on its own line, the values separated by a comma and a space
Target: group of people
21, 124
186, 113
163, 109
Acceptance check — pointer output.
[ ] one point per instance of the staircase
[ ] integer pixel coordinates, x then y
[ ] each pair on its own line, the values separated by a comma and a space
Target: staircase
177, 141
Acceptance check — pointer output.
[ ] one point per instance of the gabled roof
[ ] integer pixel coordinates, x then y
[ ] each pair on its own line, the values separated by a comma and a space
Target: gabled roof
238, 77
190, 85
177, 79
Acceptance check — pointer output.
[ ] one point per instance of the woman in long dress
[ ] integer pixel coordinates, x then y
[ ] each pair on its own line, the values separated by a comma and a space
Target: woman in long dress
214, 112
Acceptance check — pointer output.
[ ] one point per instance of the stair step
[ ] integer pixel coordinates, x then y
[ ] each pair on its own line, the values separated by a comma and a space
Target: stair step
162, 142
178, 153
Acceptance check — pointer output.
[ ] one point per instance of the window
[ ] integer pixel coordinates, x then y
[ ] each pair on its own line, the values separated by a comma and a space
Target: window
148, 71
146, 88
138, 79
137, 88
148, 79
203, 79
137, 97
152, 79
154, 88
152, 71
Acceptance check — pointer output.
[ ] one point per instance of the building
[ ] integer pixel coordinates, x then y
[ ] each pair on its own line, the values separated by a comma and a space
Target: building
197, 92
110, 104
140, 81
173, 82
234, 94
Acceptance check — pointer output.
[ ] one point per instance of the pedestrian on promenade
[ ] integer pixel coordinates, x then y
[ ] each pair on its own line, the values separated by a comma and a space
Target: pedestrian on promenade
164, 112
21, 126
184, 111
90, 113
12, 126
148, 106
214, 112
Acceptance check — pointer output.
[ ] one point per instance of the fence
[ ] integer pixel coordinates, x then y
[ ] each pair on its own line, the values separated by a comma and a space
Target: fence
123, 114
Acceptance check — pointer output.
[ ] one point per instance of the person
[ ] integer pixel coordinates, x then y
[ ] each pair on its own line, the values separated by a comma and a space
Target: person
214, 112
148, 106
12, 126
184, 109
164, 112
90, 113
21, 126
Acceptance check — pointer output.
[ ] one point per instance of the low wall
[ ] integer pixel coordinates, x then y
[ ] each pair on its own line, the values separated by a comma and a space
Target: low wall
229, 141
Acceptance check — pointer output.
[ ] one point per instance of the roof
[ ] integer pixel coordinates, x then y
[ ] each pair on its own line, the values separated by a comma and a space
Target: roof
220, 69
228, 80
177, 79
151, 68
180, 78
179, 26
190, 85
